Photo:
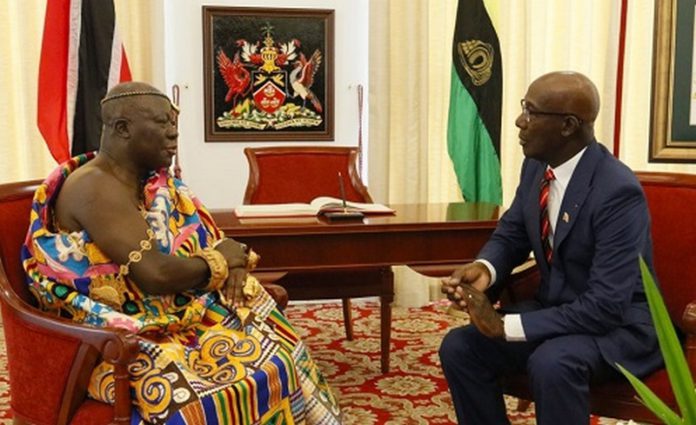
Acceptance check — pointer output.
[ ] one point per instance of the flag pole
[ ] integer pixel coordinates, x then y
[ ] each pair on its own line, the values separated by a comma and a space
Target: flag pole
360, 132
619, 78
175, 101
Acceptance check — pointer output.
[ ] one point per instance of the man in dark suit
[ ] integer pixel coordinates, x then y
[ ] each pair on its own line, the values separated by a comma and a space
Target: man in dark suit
584, 216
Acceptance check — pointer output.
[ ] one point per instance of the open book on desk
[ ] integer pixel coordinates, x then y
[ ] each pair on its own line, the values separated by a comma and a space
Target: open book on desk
317, 206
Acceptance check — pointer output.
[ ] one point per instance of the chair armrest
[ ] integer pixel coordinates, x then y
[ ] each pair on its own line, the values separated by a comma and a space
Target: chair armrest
278, 293
688, 324
114, 346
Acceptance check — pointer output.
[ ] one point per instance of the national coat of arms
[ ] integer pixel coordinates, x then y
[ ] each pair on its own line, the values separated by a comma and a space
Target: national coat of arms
269, 84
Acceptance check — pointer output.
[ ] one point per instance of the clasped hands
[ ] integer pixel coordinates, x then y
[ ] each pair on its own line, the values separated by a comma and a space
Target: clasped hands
240, 261
465, 288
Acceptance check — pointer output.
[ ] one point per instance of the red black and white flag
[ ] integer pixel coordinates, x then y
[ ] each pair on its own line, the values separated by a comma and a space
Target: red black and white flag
82, 57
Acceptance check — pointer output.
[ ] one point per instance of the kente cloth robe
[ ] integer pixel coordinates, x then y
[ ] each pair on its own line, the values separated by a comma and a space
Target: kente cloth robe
201, 359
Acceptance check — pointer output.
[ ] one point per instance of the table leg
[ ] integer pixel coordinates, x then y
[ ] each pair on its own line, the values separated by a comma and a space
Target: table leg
385, 316
348, 318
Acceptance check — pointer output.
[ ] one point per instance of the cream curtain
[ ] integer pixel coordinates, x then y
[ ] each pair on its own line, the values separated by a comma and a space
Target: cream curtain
23, 153
409, 94
410, 65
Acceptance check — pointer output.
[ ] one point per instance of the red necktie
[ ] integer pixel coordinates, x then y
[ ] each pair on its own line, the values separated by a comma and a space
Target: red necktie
545, 224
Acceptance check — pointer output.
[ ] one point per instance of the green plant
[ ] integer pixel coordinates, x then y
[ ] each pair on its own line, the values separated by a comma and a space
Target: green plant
677, 368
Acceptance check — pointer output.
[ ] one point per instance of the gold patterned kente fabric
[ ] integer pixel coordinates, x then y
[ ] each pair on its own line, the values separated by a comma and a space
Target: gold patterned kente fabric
201, 359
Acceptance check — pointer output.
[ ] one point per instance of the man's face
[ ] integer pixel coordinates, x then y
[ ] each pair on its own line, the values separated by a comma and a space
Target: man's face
540, 127
154, 133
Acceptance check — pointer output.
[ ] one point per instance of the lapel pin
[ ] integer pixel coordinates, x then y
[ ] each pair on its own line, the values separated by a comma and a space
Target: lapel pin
566, 217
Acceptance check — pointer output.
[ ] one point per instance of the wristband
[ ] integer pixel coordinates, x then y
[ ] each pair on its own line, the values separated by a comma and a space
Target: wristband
218, 267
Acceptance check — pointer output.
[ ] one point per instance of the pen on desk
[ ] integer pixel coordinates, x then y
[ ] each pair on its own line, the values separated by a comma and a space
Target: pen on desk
343, 192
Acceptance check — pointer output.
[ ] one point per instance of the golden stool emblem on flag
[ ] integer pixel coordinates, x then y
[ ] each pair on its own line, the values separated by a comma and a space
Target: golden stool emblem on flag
476, 58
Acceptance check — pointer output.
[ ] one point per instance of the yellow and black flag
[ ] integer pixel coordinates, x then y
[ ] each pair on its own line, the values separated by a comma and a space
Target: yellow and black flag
476, 91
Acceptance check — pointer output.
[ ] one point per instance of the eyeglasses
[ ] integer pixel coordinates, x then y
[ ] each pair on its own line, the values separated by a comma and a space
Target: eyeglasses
527, 113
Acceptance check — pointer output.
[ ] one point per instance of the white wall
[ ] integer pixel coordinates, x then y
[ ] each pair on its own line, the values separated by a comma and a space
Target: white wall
217, 172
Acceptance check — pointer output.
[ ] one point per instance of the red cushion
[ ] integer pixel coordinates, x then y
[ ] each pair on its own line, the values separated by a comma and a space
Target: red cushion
14, 216
39, 363
621, 388
93, 413
674, 238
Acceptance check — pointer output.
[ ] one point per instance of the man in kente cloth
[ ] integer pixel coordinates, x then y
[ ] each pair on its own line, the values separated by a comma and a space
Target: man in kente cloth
116, 241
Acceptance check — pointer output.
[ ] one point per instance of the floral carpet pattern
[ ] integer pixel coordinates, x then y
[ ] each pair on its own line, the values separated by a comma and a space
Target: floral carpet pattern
5, 414
414, 392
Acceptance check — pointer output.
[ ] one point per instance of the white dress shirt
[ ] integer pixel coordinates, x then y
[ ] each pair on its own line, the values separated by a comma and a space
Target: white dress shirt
514, 331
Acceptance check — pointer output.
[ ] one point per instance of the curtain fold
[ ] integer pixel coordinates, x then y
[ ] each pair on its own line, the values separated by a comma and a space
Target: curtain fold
410, 51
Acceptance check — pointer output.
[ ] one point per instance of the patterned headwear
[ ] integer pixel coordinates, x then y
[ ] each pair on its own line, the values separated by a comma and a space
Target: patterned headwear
139, 93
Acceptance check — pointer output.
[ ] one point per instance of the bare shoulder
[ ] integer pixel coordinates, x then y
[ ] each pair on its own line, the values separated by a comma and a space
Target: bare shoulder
87, 191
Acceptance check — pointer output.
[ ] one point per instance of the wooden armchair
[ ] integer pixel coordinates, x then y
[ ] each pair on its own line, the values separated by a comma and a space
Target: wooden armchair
672, 203
50, 359
300, 174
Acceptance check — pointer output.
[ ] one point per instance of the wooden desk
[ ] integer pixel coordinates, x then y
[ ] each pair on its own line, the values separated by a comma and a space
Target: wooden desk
430, 238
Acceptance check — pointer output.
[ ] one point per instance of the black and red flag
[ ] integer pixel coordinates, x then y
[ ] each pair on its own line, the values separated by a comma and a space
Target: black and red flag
82, 57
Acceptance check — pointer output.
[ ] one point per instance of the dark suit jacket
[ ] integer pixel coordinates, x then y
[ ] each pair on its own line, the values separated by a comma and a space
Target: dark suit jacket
594, 286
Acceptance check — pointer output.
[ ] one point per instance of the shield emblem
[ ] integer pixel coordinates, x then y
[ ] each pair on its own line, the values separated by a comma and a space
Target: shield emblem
269, 97
269, 90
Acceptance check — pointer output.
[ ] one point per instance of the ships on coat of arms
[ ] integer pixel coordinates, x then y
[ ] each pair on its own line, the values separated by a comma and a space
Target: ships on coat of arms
269, 85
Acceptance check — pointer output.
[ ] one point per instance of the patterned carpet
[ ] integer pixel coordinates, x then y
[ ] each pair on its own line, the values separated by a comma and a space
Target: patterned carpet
5, 414
413, 393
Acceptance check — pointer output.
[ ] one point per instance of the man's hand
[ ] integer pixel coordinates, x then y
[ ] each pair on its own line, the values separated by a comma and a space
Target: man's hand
488, 321
473, 274
234, 253
465, 289
234, 285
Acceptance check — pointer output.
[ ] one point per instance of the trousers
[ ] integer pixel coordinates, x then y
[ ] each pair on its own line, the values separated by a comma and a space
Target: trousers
560, 371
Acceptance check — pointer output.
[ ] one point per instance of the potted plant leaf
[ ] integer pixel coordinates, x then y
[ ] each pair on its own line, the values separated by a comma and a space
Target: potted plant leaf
677, 368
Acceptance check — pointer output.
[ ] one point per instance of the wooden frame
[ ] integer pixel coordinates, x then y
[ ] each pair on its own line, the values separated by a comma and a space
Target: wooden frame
672, 136
268, 74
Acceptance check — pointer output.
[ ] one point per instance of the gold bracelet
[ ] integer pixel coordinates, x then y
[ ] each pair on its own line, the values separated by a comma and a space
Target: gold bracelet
137, 254
217, 265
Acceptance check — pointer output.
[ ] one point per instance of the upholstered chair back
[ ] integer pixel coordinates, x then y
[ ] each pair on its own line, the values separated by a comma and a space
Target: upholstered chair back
672, 202
302, 173
15, 203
